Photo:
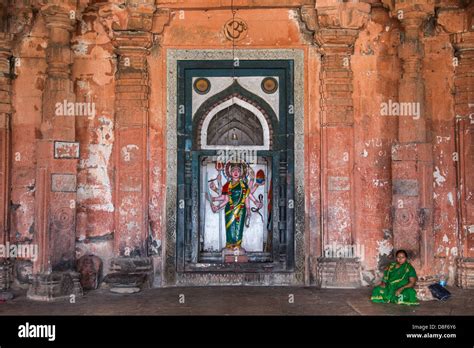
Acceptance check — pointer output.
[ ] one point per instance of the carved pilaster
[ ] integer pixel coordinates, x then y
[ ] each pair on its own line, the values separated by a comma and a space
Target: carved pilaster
337, 30
131, 30
131, 115
460, 24
412, 154
57, 155
5, 116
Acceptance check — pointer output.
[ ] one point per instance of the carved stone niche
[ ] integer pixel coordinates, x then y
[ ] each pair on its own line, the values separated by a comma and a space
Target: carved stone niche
340, 273
235, 126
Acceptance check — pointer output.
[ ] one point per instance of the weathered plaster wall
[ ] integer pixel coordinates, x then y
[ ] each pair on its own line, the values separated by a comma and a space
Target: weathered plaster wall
376, 71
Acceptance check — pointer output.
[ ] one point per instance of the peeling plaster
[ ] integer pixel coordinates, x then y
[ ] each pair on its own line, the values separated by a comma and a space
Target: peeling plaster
96, 165
384, 247
450, 199
438, 177
80, 48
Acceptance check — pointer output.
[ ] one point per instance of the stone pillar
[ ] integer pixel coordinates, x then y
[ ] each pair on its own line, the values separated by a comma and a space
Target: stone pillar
5, 117
5, 114
57, 157
339, 27
132, 40
412, 153
460, 24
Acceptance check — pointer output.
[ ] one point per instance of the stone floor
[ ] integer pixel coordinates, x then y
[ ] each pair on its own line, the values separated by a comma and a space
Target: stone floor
237, 301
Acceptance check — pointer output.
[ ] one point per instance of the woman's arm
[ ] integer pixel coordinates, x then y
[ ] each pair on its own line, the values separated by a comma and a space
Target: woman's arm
411, 284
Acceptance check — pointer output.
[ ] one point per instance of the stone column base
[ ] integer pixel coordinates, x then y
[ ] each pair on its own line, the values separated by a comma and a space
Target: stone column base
341, 273
5, 280
130, 275
5, 274
55, 286
421, 288
465, 273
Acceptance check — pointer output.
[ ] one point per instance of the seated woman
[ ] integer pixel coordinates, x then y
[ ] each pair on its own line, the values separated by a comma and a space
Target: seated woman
397, 284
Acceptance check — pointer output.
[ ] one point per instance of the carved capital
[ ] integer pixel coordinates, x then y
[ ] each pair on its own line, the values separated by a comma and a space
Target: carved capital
411, 14
338, 25
337, 41
132, 49
134, 16
309, 15
342, 15
455, 20
59, 14
6, 42
426, 6
132, 41
463, 43
161, 19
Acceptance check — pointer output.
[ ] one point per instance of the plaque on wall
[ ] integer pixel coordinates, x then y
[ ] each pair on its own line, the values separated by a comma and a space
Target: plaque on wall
66, 150
63, 182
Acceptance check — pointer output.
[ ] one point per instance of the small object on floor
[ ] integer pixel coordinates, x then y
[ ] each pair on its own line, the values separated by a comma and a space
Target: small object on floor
5, 296
439, 292
125, 290
442, 281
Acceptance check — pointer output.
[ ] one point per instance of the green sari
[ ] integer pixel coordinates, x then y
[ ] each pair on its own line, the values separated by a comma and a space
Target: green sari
394, 278
235, 212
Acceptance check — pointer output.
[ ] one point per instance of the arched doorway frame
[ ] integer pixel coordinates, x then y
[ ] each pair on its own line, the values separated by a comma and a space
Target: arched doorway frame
172, 275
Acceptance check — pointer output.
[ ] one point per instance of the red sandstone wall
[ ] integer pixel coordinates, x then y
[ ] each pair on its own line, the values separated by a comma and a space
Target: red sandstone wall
376, 70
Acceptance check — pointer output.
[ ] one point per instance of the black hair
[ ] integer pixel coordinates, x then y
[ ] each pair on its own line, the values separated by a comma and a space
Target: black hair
403, 252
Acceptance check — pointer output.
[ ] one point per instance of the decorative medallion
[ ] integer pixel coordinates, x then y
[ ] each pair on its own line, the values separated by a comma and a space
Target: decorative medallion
202, 85
63, 218
269, 85
235, 29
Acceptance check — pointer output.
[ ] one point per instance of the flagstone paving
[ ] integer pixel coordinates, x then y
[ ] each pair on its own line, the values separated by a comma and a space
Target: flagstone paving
237, 301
